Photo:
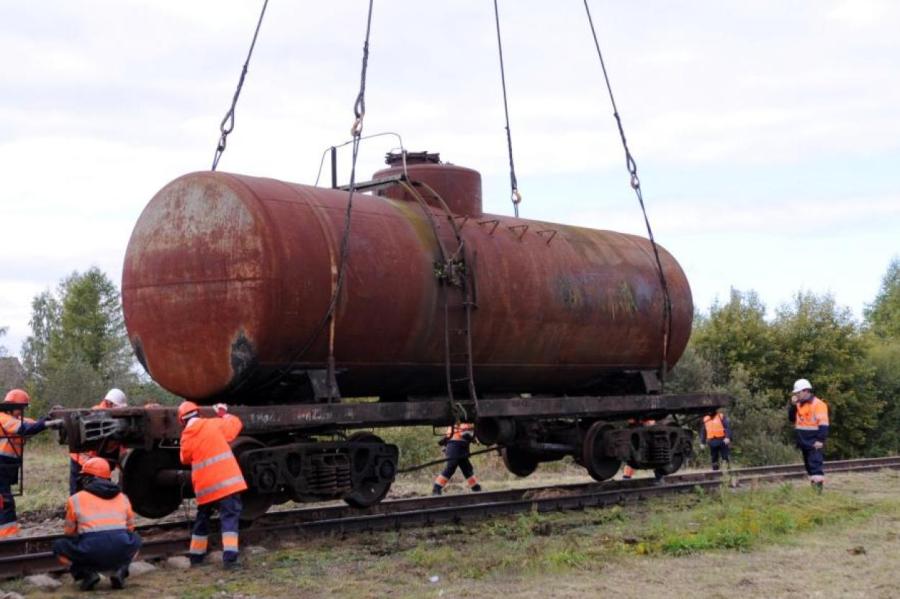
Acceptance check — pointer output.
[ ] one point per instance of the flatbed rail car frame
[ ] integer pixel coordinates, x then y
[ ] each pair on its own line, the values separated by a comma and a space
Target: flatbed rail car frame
300, 452
147, 426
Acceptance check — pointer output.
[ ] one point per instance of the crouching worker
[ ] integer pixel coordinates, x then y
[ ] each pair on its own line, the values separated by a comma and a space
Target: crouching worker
456, 447
99, 529
216, 477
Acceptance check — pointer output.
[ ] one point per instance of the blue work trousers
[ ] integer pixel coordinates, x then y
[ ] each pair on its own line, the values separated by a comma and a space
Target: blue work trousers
813, 460
718, 449
105, 551
229, 517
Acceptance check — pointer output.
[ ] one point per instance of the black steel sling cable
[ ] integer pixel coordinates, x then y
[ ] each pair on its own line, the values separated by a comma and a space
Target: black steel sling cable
227, 125
359, 112
636, 185
514, 185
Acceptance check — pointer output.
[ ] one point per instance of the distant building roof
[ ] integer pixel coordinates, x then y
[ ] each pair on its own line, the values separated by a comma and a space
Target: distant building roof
11, 373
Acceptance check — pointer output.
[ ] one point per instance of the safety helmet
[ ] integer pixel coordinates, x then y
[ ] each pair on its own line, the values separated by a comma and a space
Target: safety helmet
801, 385
96, 467
187, 409
116, 397
17, 396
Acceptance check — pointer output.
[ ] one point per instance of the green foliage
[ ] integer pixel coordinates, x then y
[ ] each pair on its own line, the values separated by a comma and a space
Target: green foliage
736, 350
740, 521
883, 315
418, 444
737, 334
78, 347
820, 341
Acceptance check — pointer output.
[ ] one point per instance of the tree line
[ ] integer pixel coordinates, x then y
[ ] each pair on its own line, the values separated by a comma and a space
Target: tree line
78, 348
854, 366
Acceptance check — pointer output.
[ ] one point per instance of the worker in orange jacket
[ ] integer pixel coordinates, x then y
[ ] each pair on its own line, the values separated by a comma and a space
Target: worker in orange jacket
111, 451
215, 475
716, 432
809, 415
99, 529
456, 444
14, 428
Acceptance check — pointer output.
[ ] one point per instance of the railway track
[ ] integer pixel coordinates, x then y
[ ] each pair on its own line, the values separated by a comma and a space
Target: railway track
31, 555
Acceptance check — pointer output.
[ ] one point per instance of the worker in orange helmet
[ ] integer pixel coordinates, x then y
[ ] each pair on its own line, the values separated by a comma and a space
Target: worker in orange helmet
14, 428
216, 477
112, 451
99, 529
456, 444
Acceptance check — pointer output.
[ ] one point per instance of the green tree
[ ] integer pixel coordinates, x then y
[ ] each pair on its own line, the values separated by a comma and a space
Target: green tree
883, 315
737, 334
820, 341
882, 323
78, 346
44, 321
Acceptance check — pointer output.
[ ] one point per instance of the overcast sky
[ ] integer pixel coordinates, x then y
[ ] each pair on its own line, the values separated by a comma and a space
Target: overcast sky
767, 134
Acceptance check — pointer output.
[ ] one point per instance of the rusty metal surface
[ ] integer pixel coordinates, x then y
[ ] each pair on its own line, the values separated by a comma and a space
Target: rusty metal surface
227, 275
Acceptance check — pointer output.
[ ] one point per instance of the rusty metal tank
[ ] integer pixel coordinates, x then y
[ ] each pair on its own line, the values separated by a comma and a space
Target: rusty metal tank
227, 279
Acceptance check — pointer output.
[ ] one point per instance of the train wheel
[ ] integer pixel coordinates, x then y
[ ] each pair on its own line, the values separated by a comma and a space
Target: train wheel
518, 461
593, 455
672, 467
255, 504
149, 496
372, 488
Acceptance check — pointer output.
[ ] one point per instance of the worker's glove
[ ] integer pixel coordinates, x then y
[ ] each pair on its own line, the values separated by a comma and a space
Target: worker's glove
443, 441
727, 441
818, 445
703, 446
57, 423
221, 409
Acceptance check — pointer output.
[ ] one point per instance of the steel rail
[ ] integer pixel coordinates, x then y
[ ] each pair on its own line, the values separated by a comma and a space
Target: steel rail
32, 555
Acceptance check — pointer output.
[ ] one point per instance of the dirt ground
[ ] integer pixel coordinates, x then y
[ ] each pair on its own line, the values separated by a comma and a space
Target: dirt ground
576, 554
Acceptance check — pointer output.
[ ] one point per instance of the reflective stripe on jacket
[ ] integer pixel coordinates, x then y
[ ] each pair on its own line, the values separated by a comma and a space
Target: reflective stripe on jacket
811, 415
11, 441
462, 432
714, 426
86, 513
215, 472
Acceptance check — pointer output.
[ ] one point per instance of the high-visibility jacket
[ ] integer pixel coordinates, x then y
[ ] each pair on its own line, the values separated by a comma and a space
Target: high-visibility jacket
87, 513
215, 472
715, 427
112, 450
810, 421
12, 434
463, 431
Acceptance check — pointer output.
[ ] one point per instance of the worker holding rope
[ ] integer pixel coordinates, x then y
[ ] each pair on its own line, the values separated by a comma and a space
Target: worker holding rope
456, 447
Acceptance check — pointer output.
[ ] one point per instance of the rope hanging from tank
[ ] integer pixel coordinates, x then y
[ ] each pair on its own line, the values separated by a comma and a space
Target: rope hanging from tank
227, 125
636, 185
514, 185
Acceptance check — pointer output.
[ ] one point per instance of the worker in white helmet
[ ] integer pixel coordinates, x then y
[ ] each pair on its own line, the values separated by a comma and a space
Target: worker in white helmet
111, 451
809, 415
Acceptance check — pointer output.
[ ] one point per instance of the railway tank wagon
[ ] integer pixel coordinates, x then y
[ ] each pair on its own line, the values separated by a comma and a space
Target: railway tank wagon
548, 336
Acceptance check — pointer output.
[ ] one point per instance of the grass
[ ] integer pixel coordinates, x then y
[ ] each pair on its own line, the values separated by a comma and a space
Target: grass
569, 552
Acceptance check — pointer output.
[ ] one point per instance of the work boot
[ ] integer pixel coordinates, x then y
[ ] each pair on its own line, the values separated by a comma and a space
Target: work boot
230, 560
715, 466
197, 560
818, 486
88, 581
476, 488
118, 578
436, 490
